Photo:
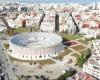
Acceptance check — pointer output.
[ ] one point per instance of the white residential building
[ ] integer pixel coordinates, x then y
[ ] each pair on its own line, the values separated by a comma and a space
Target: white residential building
1, 8
47, 27
92, 66
48, 23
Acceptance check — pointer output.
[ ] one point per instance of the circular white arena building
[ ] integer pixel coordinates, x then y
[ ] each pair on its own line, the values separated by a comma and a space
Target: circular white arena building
35, 46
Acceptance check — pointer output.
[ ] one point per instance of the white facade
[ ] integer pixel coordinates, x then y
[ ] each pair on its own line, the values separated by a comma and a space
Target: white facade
47, 27
1, 8
48, 23
2, 28
92, 66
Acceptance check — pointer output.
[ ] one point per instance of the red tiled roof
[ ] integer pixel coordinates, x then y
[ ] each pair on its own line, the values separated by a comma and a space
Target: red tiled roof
86, 25
86, 76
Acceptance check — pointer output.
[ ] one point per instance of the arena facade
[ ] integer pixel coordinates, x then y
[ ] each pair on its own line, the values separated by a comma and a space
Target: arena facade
35, 46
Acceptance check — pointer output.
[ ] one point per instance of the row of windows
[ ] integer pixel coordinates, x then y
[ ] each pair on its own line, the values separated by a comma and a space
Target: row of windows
92, 72
40, 56
33, 52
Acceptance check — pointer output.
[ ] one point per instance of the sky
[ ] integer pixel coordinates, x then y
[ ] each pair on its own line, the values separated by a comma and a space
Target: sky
48, 1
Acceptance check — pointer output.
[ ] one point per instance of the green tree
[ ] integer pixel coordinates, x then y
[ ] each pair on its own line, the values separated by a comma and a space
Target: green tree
10, 31
98, 36
66, 75
83, 58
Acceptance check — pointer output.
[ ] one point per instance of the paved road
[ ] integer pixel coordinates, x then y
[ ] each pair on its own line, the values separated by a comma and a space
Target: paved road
6, 61
2, 68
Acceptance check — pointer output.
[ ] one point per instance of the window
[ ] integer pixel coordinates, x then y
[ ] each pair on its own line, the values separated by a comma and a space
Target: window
35, 37
10, 50
44, 56
35, 56
40, 56
95, 67
23, 56
44, 38
26, 56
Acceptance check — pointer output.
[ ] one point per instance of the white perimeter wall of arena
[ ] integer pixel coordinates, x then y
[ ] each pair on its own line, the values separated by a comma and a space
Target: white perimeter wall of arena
26, 53
31, 54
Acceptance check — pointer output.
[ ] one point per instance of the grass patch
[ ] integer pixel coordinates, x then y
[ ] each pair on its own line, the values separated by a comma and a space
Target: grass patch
75, 55
84, 57
67, 74
89, 39
6, 45
61, 55
68, 37
78, 47
83, 41
14, 31
84, 51
45, 62
20, 30
41, 62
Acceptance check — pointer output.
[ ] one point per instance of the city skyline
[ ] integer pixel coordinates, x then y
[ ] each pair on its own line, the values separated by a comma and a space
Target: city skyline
51, 1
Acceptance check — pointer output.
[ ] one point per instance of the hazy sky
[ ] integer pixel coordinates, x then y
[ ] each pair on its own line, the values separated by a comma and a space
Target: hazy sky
50, 0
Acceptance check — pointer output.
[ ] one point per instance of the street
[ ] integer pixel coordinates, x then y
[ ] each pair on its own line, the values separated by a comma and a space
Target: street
7, 68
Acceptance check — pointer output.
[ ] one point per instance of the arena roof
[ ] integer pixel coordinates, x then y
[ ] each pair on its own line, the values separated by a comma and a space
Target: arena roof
36, 39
